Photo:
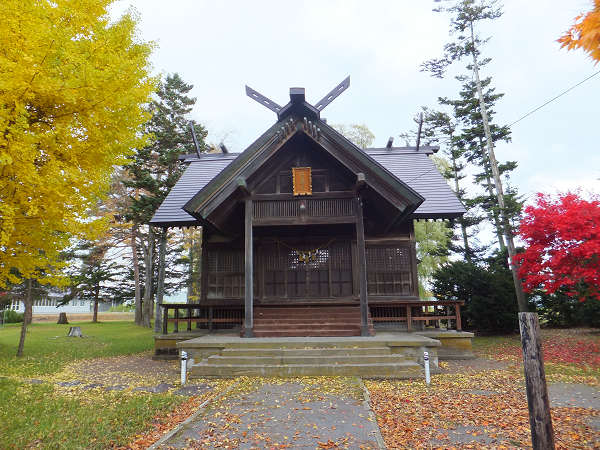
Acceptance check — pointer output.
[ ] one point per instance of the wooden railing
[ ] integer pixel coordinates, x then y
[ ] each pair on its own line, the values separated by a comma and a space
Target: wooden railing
303, 207
430, 312
208, 317
212, 317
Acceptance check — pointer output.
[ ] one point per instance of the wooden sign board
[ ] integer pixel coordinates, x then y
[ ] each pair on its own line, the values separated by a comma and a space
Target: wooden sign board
302, 180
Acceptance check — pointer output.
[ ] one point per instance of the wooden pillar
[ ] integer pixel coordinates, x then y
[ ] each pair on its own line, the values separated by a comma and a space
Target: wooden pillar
165, 320
458, 319
540, 421
413, 261
408, 317
203, 272
249, 290
160, 289
362, 269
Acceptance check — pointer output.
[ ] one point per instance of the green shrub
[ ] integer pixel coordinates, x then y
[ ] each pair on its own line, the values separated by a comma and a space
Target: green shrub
488, 292
560, 310
10, 316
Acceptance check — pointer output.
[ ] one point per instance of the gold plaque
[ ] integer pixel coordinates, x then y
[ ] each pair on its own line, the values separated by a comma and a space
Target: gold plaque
302, 180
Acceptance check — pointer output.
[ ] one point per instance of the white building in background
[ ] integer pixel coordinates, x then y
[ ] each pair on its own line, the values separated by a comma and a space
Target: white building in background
47, 304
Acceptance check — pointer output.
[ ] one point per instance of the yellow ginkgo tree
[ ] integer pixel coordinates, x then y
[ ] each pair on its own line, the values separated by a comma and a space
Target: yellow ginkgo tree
73, 84
585, 33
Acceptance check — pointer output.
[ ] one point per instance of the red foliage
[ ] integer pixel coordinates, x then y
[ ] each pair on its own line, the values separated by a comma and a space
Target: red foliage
557, 348
563, 246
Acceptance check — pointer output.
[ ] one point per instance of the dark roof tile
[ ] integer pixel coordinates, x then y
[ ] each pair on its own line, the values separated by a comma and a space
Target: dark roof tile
414, 168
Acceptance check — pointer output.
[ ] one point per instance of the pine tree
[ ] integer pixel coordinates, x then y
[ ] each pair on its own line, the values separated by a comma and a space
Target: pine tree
97, 274
471, 139
441, 128
465, 16
154, 171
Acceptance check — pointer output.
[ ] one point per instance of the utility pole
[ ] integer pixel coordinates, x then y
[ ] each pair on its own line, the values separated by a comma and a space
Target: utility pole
510, 243
540, 419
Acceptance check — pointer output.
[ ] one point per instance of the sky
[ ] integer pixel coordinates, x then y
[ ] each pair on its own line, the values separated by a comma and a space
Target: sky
219, 47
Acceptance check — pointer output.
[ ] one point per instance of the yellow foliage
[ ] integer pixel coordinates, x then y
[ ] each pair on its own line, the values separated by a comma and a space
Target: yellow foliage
72, 88
585, 33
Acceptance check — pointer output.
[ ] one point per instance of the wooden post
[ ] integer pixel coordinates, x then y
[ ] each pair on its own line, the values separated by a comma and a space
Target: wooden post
248, 289
362, 269
408, 317
210, 318
165, 320
458, 319
413, 261
542, 434
189, 319
160, 289
176, 321
203, 271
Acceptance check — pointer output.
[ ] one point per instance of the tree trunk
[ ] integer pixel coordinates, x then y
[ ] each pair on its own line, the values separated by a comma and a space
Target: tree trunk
75, 332
492, 194
136, 274
62, 319
161, 280
26, 318
149, 272
463, 226
95, 316
510, 243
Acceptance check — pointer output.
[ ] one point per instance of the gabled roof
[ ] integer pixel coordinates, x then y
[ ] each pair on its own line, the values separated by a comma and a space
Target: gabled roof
418, 170
197, 174
415, 168
408, 180
295, 121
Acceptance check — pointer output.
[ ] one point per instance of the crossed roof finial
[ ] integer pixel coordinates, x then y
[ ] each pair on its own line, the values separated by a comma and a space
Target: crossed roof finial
297, 96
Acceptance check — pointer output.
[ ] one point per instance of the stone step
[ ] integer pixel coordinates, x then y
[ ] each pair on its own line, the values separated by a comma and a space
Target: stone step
319, 351
234, 342
303, 360
403, 369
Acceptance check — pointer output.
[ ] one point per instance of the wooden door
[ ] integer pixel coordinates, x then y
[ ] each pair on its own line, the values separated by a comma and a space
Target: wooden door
305, 271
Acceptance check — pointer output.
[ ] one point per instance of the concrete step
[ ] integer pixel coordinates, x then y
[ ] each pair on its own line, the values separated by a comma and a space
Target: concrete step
403, 369
304, 360
320, 351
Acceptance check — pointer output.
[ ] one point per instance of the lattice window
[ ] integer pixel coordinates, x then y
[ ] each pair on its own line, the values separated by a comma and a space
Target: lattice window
341, 270
274, 266
225, 274
389, 270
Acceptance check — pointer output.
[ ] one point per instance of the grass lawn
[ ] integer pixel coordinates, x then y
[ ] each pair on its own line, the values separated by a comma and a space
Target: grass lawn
46, 415
48, 349
570, 355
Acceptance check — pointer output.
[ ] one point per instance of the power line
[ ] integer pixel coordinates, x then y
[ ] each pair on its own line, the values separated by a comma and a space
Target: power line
554, 98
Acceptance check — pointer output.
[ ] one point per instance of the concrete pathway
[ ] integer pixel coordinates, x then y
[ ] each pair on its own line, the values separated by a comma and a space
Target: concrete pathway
283, 414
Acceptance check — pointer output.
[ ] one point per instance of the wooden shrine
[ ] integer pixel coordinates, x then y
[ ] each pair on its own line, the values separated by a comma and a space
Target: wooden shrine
305, 234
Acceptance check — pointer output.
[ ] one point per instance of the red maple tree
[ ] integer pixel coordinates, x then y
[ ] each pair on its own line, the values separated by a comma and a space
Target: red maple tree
562, 236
